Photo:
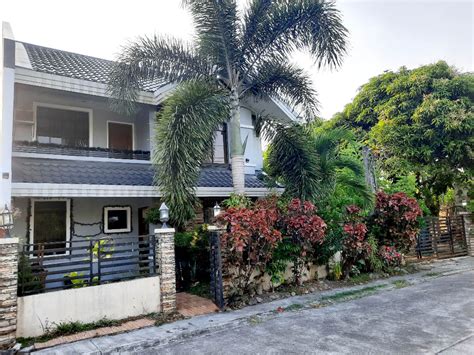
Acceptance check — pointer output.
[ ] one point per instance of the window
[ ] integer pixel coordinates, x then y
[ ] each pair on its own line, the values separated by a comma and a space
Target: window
62, 126
118, 219
50, 224
219, 148
120, 135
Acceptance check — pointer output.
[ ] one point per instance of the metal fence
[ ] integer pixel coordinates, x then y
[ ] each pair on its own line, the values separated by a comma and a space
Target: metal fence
442, 237
45, 267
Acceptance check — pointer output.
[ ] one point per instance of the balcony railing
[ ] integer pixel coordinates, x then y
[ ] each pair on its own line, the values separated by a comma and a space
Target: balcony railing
55, 149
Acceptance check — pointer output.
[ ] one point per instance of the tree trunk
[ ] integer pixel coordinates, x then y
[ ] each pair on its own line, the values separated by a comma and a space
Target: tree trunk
236, 148
369, 170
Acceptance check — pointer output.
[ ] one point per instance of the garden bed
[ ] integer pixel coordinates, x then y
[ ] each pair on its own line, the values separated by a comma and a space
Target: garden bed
314, 286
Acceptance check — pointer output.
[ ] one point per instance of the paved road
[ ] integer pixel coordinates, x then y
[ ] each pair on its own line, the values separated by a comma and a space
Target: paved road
430, 317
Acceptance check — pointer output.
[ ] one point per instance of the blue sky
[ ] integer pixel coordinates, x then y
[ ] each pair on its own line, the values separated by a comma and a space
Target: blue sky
384, 35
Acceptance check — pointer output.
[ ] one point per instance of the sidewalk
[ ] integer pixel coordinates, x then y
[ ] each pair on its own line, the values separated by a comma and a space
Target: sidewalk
153, 336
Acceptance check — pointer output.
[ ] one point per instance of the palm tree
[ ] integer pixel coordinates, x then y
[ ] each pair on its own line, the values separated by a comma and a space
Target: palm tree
310, 165
336, 168
240, 53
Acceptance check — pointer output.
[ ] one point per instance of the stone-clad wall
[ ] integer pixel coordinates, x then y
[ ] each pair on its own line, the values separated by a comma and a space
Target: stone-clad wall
8, 291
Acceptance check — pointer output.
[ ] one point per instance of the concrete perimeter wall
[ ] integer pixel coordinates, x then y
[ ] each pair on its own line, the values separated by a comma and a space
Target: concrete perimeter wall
37, 313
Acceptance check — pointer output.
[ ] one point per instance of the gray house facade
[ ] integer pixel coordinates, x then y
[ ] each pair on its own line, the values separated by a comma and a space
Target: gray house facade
74, 168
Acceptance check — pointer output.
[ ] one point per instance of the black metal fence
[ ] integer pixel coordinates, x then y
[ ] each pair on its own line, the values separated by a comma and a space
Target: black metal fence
442, 237
217, 289
45, 267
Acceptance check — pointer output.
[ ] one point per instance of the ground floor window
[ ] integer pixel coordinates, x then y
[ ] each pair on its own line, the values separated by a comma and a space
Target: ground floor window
118, 219
50, 224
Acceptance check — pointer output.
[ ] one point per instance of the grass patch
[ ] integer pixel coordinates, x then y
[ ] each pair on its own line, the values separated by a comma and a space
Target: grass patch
432, 274
255, 320
353, 294
63, 329
360, 279
294, 307
401, 283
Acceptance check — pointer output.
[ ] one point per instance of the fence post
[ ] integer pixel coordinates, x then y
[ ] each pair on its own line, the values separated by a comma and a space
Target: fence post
167, 268
8, 291
468, 229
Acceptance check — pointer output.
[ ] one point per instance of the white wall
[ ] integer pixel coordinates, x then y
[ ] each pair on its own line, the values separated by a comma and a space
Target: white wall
26, 95
7, 75
37, 313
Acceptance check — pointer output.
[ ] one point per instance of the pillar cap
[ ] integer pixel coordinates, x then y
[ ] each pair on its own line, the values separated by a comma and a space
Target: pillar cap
164, 230
215, 228
9, 241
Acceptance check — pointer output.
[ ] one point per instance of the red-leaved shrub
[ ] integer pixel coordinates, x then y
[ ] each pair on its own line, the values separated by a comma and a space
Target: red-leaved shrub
355, 246
250, 240
302, 222
306, 230
390, 256
395, 220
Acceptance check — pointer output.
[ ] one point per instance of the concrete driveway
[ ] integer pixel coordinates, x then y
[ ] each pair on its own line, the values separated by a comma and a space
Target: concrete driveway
430, 317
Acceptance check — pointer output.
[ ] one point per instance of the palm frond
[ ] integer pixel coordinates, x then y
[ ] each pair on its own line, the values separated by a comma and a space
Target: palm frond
153, 59
291, 160
312, 25
184, 136
217, 27
286, 83
357, 186
252, 23
327, 141
350, 163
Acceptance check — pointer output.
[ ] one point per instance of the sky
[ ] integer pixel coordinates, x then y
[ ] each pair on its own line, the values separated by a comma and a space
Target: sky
383, 35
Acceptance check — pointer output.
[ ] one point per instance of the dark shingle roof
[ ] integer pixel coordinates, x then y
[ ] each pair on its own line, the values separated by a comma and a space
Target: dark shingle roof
35, 170
73, 65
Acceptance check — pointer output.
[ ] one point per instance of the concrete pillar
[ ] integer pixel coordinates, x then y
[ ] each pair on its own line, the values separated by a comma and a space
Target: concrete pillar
7, 82
8, 291
167, 268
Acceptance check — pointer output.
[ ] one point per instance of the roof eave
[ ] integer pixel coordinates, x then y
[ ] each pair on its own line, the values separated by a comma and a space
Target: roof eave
58, 82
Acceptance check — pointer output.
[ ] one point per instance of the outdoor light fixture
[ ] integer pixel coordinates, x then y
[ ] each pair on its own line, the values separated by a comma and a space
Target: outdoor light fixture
164, 215
6, 220
464, 203
217, 210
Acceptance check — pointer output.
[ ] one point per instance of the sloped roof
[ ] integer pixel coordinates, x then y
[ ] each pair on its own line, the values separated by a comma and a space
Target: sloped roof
56, 171
73, 65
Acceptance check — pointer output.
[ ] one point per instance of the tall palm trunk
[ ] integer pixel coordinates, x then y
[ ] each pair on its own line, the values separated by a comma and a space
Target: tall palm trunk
236, 148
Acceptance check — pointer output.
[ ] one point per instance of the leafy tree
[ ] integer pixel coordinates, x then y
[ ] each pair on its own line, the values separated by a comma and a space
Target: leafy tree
241, 54
418, 121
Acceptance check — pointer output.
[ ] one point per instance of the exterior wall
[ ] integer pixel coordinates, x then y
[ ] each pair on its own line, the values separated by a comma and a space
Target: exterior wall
119, 300
26, 96
83, 210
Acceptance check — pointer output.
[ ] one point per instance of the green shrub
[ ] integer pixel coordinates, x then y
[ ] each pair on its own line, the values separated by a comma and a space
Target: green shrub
192, 257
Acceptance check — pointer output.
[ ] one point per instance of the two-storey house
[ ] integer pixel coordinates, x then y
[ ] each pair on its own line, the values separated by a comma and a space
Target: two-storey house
75, 168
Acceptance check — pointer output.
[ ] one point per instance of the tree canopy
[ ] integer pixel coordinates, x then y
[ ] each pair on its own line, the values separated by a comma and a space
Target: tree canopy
418, 121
